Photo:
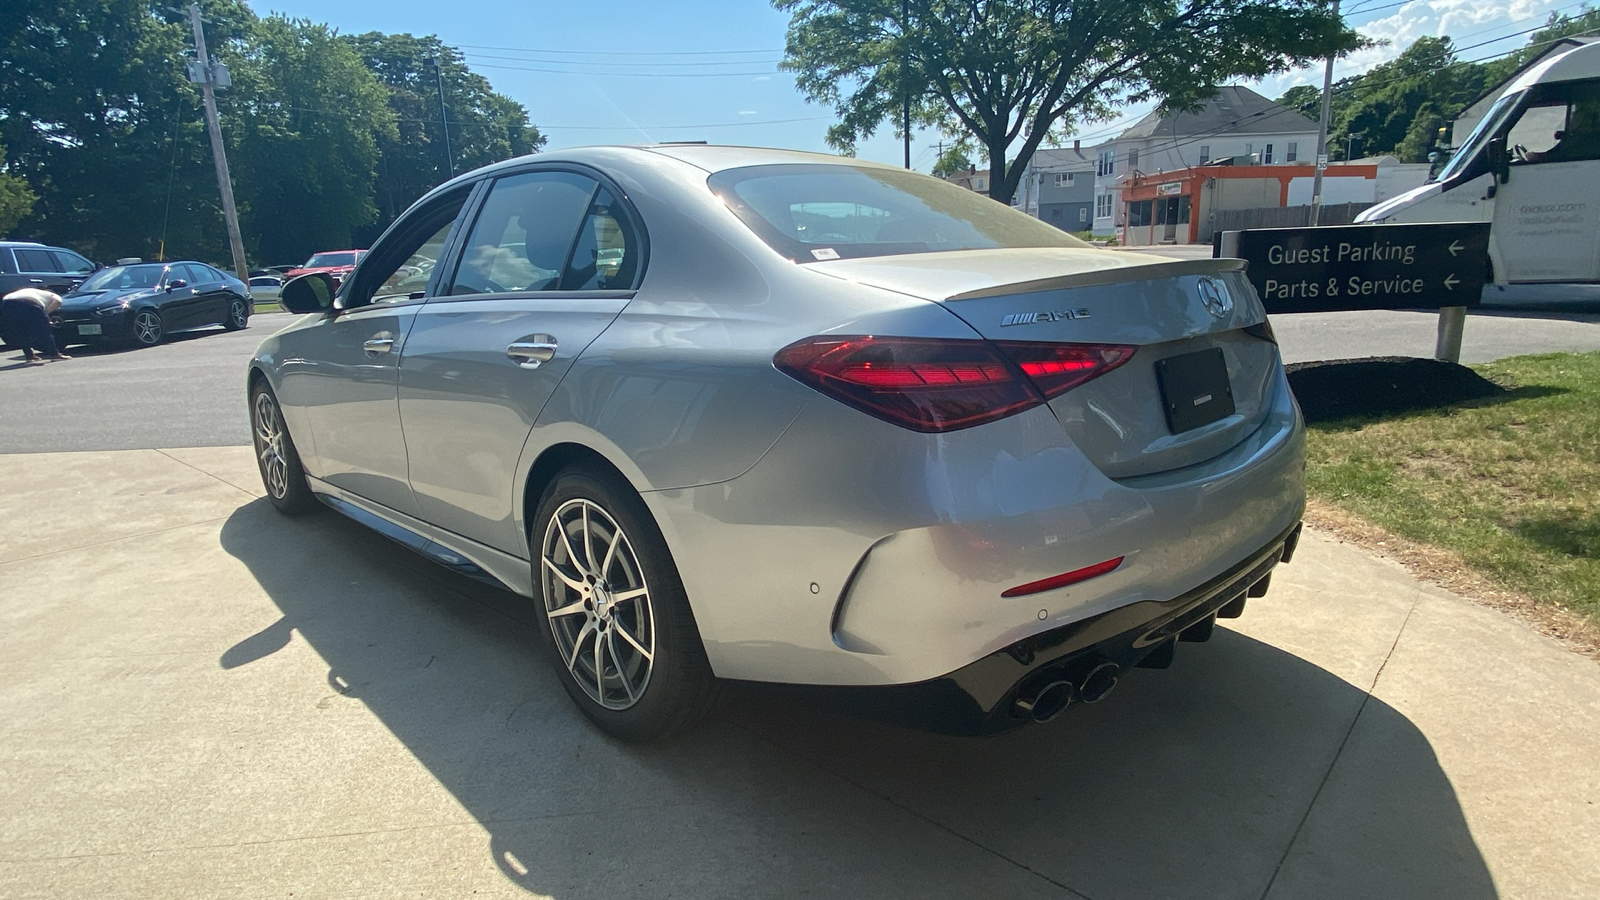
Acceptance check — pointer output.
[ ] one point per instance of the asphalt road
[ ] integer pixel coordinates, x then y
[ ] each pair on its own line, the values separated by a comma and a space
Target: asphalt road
189, 391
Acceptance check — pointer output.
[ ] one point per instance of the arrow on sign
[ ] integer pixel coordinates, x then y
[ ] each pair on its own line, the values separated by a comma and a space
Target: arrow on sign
1456, 247
1450, 282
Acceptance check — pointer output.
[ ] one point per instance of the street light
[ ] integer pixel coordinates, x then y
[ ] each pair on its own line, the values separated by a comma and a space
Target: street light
444, 121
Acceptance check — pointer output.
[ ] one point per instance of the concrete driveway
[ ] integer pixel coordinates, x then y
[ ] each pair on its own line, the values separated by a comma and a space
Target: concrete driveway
205, 699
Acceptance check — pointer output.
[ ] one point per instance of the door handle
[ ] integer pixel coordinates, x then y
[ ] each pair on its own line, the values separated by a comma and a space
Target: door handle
532, 351
378, 346
36, 281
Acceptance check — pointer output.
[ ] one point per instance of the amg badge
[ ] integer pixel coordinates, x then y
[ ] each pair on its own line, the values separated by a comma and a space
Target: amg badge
1030, 318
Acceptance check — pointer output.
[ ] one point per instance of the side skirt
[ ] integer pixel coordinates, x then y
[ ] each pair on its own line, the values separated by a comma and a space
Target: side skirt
454, 552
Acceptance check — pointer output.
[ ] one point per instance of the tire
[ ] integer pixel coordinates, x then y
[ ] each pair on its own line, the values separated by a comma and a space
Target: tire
276, 457
616, 618
148, 327
238, 315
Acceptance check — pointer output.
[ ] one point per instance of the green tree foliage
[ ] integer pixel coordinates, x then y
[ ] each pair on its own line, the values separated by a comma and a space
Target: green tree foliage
1006, 71
304, 118
956, 159
1397, 107
16, 200
484, 126
103, 126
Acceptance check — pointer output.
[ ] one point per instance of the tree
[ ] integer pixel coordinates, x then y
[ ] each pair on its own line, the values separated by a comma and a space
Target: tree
304, 119
1010, 70
956, 159
485, 127
16, 200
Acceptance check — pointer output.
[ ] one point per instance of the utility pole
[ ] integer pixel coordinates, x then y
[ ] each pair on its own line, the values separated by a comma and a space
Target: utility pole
444, 121
208, 77
905, 86
1322, 133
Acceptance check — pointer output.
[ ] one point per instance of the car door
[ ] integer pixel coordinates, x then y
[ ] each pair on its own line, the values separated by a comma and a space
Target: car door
40, 269
548, 264
179, 301
1547, 213
343, 372
211, 294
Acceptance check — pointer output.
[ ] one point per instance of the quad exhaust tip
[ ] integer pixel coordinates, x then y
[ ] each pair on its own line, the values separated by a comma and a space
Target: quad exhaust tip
1054, 697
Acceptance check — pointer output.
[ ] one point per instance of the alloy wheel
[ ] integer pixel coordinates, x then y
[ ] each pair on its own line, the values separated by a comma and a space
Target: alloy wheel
147, 327
598, 604
237, 314
269, 438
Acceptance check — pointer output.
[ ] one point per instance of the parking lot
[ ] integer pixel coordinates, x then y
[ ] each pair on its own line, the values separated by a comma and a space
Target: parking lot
204, 698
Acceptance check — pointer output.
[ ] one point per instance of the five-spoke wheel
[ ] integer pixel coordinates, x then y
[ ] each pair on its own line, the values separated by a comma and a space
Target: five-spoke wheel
281, 473
238, 314
618, 622
147, 327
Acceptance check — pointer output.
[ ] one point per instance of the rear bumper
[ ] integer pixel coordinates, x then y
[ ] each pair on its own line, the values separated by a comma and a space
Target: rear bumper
982, 697
859, 554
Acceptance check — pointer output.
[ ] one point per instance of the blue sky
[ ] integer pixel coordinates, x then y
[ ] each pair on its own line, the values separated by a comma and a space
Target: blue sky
629, 71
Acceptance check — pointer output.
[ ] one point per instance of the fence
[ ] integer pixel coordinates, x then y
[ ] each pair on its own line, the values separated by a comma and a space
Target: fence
1282, 217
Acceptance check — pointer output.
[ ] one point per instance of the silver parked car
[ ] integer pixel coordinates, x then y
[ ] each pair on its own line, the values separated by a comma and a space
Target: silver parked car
732, 413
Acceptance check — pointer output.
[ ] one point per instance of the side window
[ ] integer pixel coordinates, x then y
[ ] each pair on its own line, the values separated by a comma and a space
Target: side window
401, 266
72, 263
7, 265
523, 233
187, 273
35, 261
1563, 125
606, 256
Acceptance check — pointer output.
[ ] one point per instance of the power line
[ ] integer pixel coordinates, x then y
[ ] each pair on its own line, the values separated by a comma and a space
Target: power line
621, 52
633, 74
609, 63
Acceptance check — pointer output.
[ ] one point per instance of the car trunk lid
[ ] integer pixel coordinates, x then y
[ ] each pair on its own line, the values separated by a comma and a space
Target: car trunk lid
1203, 374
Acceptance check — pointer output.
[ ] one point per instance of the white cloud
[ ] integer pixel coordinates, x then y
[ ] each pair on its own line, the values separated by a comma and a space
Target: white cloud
762, 78
747, 112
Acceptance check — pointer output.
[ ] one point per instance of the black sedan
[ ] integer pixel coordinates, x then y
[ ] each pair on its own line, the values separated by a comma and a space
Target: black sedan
143, 303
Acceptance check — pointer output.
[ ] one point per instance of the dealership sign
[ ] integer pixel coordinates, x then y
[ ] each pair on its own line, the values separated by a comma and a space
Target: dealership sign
1346, 267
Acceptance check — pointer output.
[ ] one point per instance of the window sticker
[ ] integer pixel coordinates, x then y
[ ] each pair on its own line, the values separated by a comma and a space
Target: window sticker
825, 253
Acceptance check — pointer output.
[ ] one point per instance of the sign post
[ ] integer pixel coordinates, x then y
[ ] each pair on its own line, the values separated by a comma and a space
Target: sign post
1350, 267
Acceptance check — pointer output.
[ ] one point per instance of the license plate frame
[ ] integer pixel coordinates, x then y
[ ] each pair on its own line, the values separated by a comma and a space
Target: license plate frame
89, 330
1195, 389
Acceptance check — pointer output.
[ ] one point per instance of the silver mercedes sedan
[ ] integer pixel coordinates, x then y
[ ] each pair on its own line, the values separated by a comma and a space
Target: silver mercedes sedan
732, 413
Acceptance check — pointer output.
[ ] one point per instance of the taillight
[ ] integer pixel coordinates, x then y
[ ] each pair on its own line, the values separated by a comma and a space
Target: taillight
1057, 368
942, 384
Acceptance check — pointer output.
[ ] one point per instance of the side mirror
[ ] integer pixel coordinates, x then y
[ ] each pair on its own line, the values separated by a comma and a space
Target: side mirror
308, 293
176, 283
1499, 160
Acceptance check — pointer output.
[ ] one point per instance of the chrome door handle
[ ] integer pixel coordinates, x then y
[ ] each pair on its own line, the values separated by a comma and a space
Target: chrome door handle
378, 346
532, 351
36, 281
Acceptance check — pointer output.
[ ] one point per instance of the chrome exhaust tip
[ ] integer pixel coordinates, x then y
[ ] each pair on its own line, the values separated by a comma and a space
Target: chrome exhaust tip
1047, 702
1099, 682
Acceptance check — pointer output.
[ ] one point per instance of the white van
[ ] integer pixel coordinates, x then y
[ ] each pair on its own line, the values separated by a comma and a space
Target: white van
1532, 169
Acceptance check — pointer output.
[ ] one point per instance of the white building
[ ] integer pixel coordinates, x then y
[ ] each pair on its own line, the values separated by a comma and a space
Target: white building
1238, 123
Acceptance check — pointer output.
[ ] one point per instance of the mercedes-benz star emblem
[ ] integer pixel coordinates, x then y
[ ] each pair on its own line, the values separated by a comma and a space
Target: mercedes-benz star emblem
1214, 294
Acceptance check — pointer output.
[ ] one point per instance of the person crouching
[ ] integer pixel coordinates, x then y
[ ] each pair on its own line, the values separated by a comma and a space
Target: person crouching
25, 322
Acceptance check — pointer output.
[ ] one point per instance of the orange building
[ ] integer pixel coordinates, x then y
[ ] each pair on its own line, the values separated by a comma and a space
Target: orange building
1180, 207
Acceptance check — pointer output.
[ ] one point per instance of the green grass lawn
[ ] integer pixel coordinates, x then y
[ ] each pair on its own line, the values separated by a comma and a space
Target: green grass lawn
1511, 483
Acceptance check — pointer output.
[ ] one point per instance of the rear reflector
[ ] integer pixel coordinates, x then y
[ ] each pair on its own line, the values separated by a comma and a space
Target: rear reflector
943, 384
1065, 578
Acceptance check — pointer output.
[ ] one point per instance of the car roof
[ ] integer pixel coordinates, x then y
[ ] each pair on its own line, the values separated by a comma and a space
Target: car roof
709, 157
25, 244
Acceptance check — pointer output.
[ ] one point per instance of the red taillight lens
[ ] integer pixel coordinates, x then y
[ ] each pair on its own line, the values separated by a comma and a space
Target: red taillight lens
924, 384
1057, 368
942, 384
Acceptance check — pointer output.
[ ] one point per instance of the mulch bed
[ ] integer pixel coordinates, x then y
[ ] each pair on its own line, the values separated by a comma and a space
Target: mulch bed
1383, 386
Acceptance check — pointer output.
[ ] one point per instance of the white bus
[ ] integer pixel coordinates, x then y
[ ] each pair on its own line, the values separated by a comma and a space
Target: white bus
1532, 169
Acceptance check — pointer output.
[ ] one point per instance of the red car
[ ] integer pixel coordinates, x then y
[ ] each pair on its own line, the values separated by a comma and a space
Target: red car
337, 263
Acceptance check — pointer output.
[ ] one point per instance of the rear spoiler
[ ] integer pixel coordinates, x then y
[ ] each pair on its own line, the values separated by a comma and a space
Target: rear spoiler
1175, 268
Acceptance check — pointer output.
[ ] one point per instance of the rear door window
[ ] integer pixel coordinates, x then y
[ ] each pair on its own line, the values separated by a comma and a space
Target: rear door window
35, 261
524, 233
606, 256
8, 266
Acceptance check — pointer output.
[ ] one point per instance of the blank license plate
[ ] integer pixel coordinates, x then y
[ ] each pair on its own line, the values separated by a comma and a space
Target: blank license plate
88, 329
1194, 389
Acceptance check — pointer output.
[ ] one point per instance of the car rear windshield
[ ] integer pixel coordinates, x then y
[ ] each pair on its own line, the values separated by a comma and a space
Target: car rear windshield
121, 277
812, 212
329, 260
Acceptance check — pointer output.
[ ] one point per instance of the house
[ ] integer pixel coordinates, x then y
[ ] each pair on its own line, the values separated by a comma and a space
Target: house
1057, 186
970, 178
1236, 124
1477, 109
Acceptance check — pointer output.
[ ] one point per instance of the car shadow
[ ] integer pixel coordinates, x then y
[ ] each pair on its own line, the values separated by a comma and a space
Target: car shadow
1193, 782
113, 348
